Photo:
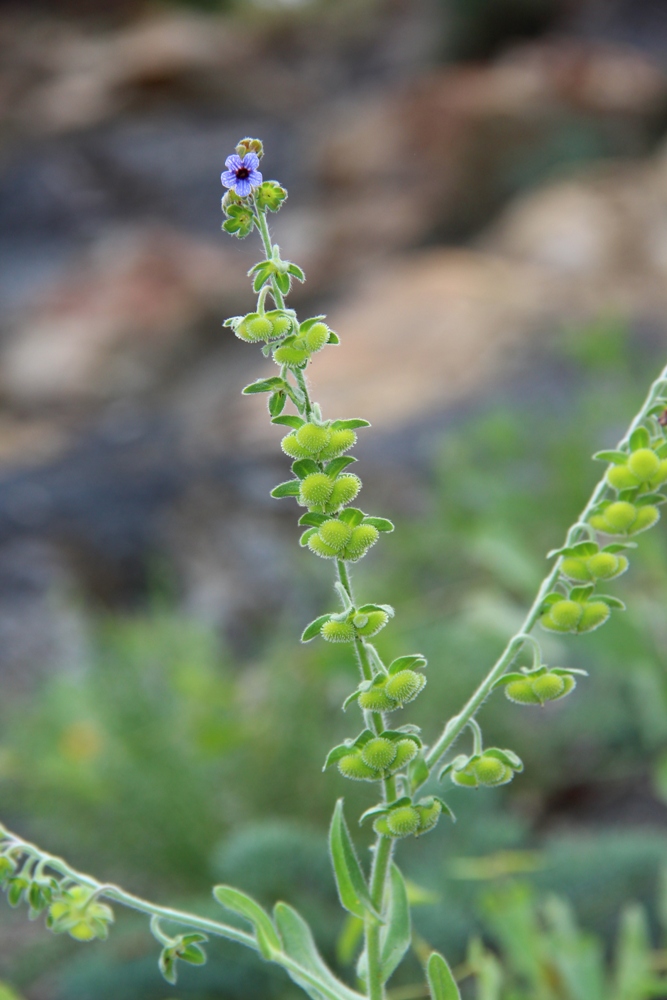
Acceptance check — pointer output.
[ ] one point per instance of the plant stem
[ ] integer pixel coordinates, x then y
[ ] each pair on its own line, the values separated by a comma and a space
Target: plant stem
379, 876
456, 724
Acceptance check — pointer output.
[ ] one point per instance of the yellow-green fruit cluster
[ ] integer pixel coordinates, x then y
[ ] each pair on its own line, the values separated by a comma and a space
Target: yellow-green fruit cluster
82, 919
624, 518
407, 820
601, 566
484, 770
540, 689
392, 692
337, 540
377, 759
320, 491
642, 469
263, 326
575, 616
318, 442
363, 625
299, 350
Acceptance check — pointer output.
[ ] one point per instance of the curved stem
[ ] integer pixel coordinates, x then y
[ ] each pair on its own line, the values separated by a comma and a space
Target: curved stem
456, 724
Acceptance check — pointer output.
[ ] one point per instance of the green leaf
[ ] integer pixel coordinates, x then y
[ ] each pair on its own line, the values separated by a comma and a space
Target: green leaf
296, 271
352, 516
396, 935
352, 888
194, 955
289, 420
581, 593
418, 772
639, 439
291, 488
313, 519
265, 385
313, 629
350, 698
409, 662
310, 322
381, 523
333, 338
304, 467
342, 750
651, 498
277, 401
441, 982
298, 944
583, 549
283, 282
615, 457
367, 608
350, 425
338, 464
245, 906
611, 602
382, 808
303, 541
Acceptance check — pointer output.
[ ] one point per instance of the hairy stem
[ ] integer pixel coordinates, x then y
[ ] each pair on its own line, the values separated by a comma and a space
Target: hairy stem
458, 722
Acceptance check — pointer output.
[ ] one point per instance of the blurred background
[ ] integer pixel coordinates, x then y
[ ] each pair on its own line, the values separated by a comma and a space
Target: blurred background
478, 195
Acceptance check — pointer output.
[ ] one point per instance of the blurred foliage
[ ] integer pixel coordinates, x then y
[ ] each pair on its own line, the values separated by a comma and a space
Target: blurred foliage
168, 766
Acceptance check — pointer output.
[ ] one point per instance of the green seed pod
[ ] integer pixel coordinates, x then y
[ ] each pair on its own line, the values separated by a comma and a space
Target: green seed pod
379, 753
361, 539
595, 613
315, 489
291, 354
428, 816
405, 685
605, 565
490, 771
617, 519
316, 545
334, 631
345, 489
621, 477
376, 699
313, 438
316, 337
646, 518
522, 692
290, 445
661, 475
380, 826
258, 327
403, 821
335, 534
548, 687
339, 442
406, 750
465, 778
575, 569
563, 616
375, 621
644, 463
352, 766
281, 323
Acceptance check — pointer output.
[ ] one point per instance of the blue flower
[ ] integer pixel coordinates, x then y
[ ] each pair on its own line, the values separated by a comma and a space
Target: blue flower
241, 174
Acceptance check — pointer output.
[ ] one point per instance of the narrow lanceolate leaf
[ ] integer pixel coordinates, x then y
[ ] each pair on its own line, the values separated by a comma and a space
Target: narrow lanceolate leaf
396, 935
381, 523
245, 906
617, 457
337, 465
313, 629
350, 425
264, 385
352, 888
299, 945
292, 488
639, 439
289, 420
409, 662
440, 979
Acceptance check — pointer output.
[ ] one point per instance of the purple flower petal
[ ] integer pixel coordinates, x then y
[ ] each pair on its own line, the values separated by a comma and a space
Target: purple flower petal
233, 162
255, 178
228, 178
251, 161
243, 187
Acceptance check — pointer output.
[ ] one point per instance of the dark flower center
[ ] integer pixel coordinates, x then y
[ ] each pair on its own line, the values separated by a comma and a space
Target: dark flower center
242, 173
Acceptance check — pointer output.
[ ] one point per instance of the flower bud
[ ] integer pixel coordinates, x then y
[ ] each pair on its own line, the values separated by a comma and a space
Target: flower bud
379, 753
405, 685
335, 534
490, 771
352, 766
429, 814
563, 616
374, 622
403, 821
620, 477
334, 631
644, 463
595, 613
316, 337
406, 750
313, 438
339, 441
249, 145
345, 489
376, 699
81, 918
315, 489
360, 541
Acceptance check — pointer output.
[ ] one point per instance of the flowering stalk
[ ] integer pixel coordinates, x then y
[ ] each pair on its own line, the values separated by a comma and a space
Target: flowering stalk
393, 758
